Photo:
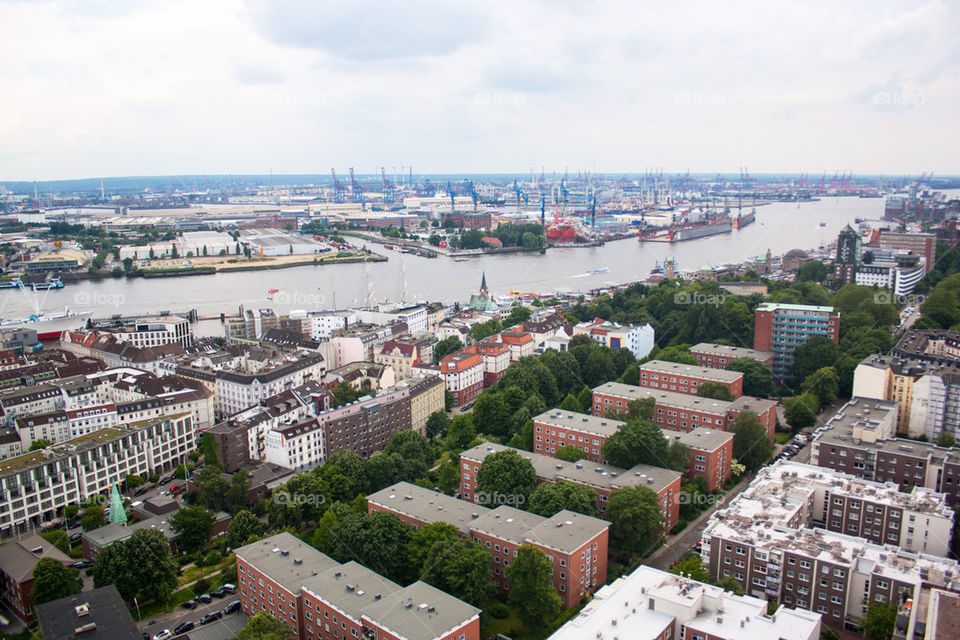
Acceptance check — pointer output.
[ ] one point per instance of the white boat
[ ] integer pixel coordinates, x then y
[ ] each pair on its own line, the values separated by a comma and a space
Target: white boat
601, 270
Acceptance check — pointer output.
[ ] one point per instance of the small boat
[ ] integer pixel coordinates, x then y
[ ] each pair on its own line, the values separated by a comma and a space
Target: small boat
12, 284
272, 290
601, 270
823, 224
56, 283
460, 260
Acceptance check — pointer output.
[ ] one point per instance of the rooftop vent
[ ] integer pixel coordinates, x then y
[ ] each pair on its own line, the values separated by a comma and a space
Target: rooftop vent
90, 626
82, 610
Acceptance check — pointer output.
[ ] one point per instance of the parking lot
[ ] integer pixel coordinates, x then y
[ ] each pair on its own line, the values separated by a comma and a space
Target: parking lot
224, 628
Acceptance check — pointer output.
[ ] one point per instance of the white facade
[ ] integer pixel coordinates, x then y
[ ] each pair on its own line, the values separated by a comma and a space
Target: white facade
323, 324
639, 339
238, 391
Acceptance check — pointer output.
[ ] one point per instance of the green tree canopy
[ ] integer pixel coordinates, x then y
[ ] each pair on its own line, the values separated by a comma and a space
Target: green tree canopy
376, 540
751, 443
193, 526
570, 453
461, 568
138, 566
716, 391
243, 525
635, 517
506, 477
52, 581
823, 383
816, 353
757, 377
531, 587
263, 626
92, 517
879, 622
638, 441
549, 499
424, 538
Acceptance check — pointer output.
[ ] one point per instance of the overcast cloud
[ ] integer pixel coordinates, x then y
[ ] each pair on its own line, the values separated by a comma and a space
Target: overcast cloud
299, 86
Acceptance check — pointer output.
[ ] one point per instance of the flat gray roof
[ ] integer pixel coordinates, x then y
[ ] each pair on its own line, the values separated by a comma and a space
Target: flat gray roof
508, 523
350, 587
676, 368
286, 559
584, 472
579, 421
567, 531
428, 506
667, 398
420, 612
712, 348
700, 438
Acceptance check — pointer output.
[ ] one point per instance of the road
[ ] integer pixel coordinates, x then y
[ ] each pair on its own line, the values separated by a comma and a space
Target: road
225, 628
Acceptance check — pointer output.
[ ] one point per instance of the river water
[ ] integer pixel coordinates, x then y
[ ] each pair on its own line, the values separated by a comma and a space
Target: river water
779, 227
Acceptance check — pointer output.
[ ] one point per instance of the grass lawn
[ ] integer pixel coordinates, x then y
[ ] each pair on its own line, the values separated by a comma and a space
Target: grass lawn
782, 437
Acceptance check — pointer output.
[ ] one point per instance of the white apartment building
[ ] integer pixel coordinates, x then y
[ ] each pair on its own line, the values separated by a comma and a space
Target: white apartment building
638, 339
237, 389
322, 324
33, 486
153, 332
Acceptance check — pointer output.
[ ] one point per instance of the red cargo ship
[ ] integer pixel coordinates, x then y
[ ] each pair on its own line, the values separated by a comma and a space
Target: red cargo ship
561, 230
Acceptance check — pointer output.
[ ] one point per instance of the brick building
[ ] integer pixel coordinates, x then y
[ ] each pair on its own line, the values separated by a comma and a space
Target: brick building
18, 559
922, 244
781, 328
576, 544
686, 378
322, 599
683, 412
718, 356
711, 452
463, 375
601, 479
496, 359
556, 428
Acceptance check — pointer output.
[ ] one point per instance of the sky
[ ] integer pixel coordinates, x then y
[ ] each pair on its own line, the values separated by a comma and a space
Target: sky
122, 87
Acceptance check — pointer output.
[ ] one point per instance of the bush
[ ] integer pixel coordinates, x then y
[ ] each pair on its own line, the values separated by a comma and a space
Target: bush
499, 611
677, 528
212, 558
201, 586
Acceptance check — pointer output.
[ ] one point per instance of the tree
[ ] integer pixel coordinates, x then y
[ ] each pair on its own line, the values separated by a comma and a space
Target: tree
505, 477
517, 315
570, 403
461, 568
531, 587
715, 390
814, 271
679, 456
423, 539
376, 540
549, 499
823, 383
208, 447
757, 377
461, 432
52, 581
193, 526
446, 346
751, 443
132, 481
638, 441
680, 353
570, 453
801, 411
692, 565
263, 626
212, 487
40, 443
639, 409
731, 584
413, 451
58, 538
138, 566
243, 525
239, 492
816, 353
636, 521
491, 414
946, 439
437, 425
879, 622
92, 517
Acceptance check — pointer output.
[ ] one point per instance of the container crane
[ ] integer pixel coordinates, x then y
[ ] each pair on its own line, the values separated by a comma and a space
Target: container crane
355, 189
389, 191
338, 190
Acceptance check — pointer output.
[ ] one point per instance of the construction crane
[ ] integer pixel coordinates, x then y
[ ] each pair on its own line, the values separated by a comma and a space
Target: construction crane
389, 191
338, 190
355, 189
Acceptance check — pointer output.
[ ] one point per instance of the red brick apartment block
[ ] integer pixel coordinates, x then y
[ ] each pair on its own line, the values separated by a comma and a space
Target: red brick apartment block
576, 544
556, 428
463, 376
687, 378
682, 412
718, 356
711, 451
322, 599
601, 479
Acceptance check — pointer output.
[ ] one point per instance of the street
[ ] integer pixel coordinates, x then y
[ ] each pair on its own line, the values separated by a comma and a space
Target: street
223, 629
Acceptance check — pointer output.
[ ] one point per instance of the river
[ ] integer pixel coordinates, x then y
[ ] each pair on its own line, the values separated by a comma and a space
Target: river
779, 227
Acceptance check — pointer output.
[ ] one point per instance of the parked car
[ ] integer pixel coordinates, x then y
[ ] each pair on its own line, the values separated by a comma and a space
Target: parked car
211, 617
75, 536
189, 604
233, 607
82, 564
163, 635
174, 488
205, 598
218, 593
166, 480
140, 492
228, 588
183, 627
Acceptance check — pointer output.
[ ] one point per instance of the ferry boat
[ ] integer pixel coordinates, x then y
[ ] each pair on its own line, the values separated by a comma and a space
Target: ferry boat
56, 283
11, 284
